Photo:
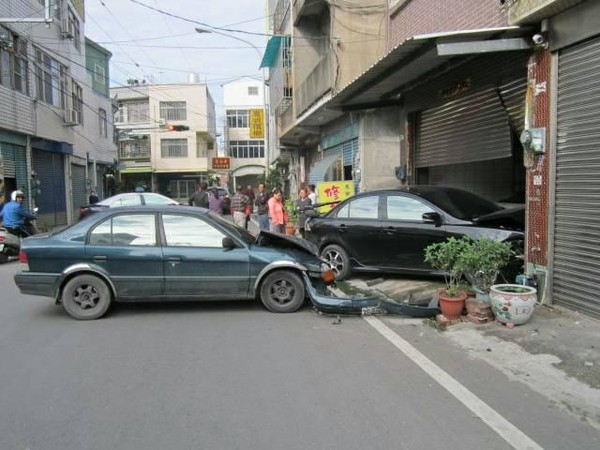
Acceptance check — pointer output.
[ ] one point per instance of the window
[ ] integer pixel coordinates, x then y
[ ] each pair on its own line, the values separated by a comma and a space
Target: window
13, 62
102, 123
173, 148
99, 74
72, 29
77, 100
173, 110
360, 208
237, 118
133, 112
182, 189
252, 90
125, 230
135, 147
404, 208
187, 231
247, 149
51, 80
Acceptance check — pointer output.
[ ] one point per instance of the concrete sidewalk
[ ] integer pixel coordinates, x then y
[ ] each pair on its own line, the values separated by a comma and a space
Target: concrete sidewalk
556, 353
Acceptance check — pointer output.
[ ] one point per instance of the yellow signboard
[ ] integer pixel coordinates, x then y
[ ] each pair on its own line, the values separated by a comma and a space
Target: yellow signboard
257, 124
333, 191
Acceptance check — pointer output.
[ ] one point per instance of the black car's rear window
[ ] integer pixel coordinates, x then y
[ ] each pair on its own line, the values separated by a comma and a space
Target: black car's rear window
460, 204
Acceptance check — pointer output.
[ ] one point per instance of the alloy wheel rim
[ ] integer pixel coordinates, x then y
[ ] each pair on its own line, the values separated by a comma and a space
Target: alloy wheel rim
335, 261
86, 296
282, 292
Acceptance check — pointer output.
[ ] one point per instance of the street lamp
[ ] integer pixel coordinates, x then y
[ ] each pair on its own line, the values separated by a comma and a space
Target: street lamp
202, 30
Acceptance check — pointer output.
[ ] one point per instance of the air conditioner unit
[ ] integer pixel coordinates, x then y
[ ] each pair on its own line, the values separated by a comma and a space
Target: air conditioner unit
66, 29
71, 118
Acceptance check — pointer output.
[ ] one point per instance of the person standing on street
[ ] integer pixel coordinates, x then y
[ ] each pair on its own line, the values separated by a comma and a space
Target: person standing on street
301, 203
239, 203
312, 194
200, 197
216, 203
277, 211
262, 207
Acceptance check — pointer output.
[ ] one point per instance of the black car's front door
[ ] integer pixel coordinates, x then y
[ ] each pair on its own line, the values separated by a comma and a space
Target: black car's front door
197, 265
405, 234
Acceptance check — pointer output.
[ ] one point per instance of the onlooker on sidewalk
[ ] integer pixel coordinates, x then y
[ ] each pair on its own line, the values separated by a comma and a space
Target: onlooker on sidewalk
200, 197
277, 211
216, 203
301, 203
312, 195
239, 202
262, 207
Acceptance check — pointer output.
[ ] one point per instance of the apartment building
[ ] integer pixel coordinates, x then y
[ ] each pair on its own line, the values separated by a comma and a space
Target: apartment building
245, 130
166, 136
55, 131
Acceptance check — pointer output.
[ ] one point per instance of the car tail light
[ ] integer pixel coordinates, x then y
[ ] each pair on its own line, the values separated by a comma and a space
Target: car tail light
328, 276
23, 260
2, 238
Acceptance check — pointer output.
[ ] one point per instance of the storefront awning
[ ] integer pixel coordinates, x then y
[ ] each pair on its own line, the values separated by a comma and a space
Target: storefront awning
420, 58
136, 170
272, 51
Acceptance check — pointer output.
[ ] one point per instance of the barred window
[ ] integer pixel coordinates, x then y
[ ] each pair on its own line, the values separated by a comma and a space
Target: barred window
99, 74
237, 118
252, 90
73, 28
133, 111
247, 149
173, 110
51, 79
173, 148
77, 100
134, 147
13, 62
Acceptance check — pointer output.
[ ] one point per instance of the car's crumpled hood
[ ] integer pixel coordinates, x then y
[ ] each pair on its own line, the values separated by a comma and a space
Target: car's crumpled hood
511, 219
281, 241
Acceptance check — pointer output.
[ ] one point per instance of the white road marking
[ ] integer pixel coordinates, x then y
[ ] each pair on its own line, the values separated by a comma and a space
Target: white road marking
511, 434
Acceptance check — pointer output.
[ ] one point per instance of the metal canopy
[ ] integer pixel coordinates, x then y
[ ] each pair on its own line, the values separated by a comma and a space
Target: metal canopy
421, 58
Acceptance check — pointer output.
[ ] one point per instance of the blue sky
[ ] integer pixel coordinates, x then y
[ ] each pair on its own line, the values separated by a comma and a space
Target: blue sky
154, 46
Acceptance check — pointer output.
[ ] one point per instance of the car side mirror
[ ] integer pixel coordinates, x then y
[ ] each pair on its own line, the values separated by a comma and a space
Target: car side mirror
229, 243
432, 217
310, 213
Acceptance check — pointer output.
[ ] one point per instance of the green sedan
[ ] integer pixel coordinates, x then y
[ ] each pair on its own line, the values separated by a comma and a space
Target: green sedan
168, 253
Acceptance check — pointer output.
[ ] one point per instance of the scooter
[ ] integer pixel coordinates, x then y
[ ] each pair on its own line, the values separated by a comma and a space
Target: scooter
10, 245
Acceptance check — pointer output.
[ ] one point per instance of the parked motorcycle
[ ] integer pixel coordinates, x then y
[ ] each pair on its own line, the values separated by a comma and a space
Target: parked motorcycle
10, 245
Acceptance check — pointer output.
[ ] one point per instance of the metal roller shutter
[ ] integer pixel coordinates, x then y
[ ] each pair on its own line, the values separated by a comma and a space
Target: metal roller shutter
576, 274
78, 189
51, 201
472, 128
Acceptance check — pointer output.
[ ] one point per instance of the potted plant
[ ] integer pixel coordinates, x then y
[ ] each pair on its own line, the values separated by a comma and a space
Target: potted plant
292, 214
447, 257
482, 260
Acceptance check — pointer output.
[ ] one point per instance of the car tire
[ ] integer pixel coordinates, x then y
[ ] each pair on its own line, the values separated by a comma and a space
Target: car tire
86, 297
338, 259
282, 291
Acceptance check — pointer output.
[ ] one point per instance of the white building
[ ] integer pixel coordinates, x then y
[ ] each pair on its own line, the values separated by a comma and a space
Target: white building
54, 108
166, 137
244, 130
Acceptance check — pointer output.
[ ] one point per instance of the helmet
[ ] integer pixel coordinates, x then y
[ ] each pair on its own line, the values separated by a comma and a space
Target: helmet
16, 194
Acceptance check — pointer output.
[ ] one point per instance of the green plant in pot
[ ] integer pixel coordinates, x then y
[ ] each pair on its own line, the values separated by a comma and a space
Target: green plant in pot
290, 207
481, 262
447, 257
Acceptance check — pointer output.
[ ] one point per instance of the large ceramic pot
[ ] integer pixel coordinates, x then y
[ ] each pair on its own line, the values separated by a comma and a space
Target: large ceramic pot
513, 303
452, 307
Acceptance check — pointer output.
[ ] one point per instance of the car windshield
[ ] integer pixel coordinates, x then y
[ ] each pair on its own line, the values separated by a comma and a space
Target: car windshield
244, 235
460, 204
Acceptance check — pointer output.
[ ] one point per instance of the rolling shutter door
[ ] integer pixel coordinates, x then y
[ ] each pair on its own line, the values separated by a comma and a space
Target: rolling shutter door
78, 189
576, 272
472, 128
51, 201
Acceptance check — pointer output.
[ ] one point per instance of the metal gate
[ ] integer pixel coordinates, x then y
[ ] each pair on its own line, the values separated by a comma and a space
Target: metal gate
576, 262
51, 201
78, 189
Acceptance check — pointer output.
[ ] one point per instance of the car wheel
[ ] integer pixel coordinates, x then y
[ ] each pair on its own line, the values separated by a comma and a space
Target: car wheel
282, 291
86, 297
337, 257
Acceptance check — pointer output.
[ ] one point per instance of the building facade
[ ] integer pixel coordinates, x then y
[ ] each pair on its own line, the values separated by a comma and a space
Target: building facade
166, 137
56, 137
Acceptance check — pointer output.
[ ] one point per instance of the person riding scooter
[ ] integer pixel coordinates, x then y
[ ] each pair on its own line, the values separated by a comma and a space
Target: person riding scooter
15, 216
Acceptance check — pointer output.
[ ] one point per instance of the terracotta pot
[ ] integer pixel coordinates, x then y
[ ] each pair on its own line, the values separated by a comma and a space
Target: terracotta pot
513, 304
452, 307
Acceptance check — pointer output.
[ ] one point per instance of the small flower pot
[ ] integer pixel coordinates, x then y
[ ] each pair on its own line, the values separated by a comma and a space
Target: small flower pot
452, 307
513, 304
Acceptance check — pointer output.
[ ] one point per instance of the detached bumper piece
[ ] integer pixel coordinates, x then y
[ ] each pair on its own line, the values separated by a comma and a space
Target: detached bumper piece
338, 305
406, 309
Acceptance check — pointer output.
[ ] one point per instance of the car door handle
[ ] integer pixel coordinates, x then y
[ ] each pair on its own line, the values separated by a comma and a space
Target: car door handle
342, 228
174, 259
389, 230
100, 258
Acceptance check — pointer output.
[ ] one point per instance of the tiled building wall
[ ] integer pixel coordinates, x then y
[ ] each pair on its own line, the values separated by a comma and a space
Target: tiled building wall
409, 18
538, 170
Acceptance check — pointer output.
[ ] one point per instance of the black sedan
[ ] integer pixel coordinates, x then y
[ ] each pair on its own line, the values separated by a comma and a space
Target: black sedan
126, 199
387, 230
170, 253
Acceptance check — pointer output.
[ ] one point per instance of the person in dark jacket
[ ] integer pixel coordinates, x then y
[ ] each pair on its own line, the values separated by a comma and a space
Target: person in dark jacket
262, 207
216, 203
200, 197
301, 203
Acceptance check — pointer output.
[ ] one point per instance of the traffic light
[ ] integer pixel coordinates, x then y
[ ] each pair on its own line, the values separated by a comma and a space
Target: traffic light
177, 127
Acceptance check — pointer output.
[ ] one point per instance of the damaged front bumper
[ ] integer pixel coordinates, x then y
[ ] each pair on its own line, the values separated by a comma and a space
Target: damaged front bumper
328, 303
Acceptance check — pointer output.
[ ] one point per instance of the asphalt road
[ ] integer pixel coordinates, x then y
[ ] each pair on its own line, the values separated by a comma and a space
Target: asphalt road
234, 376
